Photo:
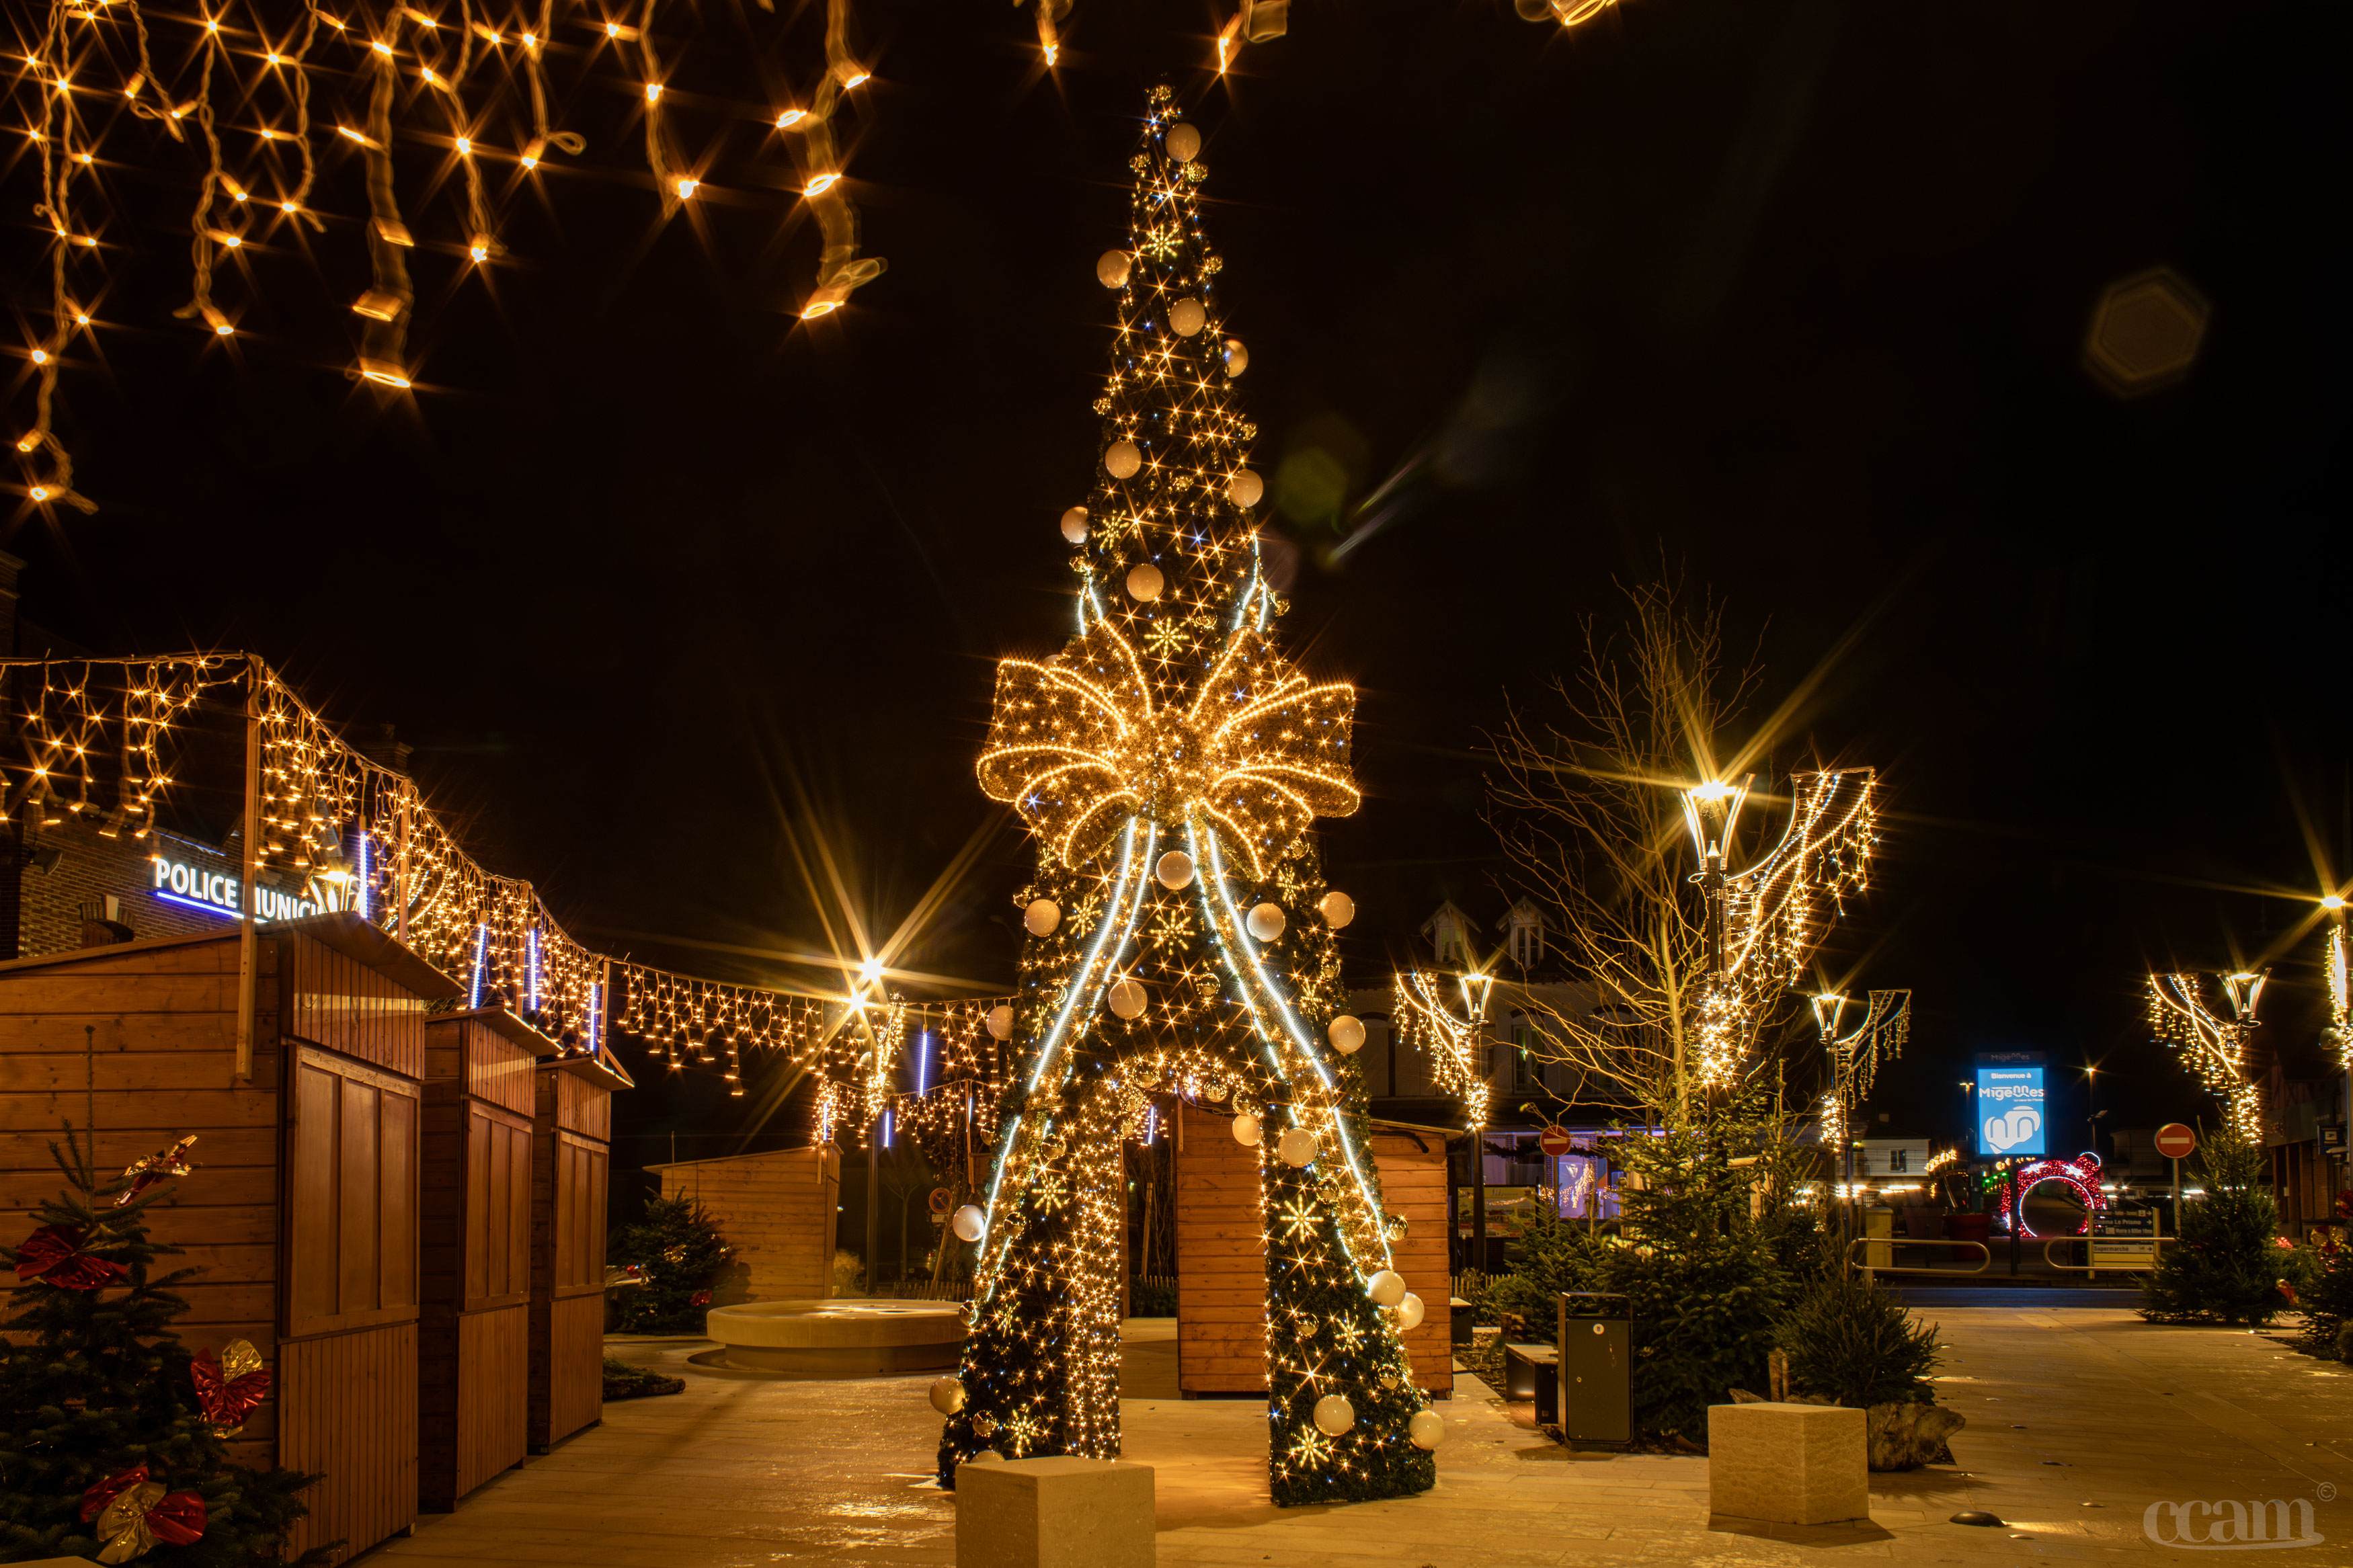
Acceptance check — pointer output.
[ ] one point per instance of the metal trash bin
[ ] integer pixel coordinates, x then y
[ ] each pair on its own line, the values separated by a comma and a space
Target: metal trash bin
1595, 1374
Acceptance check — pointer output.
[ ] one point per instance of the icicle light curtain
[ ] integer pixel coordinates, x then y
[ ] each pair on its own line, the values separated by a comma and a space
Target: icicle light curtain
93, 743
263, 94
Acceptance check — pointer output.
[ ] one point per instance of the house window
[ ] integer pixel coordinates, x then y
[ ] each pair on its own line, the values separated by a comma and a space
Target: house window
1527, 1072
1528, 944
1449, 943
1899, 1160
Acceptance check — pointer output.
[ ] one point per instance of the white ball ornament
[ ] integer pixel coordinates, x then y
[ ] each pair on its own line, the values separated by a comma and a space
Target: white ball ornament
1122, 459
948, 1395
1112, 266
1386, 1288
1346, 1034
1266, 921
1246, 1130
1297, 1148
1335, 1415
1427, 1429
987, 1456
1042, 917
969, 1223
1187, 317
1000, 1023
1074, 525
1126, 998
1174, 871
1236, 357
1245, 489
1410, 1312
1145, 581
1183, 142
1338, 909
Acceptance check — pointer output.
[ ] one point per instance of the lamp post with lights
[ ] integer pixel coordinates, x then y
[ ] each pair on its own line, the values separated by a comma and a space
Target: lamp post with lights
1712, 812
1854, 1058
1763, 921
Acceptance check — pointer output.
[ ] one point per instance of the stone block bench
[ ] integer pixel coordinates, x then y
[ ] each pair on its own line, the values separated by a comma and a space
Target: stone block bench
1059, 1512
1788, 1464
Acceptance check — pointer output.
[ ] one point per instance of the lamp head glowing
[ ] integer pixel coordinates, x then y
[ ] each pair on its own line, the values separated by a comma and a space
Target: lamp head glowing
2333, 901
1709, 810
1828, 1008
870, 971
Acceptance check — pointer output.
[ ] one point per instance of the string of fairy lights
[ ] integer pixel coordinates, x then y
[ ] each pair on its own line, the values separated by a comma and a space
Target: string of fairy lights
95, 743
270, 95
1424, 1019
1171, 762
1765, 922
2215, 1046
1854, 1057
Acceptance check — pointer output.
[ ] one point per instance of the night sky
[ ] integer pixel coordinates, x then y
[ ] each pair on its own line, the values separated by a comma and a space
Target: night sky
1784, 298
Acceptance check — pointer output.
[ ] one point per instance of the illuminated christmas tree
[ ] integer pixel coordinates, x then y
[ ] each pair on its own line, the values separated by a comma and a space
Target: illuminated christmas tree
1171, 762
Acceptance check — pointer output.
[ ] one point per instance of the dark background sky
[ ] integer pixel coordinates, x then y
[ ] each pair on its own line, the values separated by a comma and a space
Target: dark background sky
1788, 295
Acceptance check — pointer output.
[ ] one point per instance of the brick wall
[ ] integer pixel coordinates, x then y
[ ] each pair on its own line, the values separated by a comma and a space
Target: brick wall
90, 865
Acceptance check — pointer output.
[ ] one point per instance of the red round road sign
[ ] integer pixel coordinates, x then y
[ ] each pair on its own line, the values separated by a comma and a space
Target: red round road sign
940, 1200
1555, 1139
2176, 1141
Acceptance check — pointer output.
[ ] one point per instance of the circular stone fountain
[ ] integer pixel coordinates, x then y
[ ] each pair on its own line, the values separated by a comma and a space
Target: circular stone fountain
838, 1338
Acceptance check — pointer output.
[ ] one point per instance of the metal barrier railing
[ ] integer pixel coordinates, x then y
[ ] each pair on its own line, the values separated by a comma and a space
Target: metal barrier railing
2156, 1242
1985, 1257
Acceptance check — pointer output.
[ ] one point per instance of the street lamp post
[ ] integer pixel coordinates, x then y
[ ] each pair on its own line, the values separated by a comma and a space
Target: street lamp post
1854, 1058
1712, 811
1763, 920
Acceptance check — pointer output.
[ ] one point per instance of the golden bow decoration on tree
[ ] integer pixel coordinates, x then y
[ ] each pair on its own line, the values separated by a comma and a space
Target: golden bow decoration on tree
1077, 746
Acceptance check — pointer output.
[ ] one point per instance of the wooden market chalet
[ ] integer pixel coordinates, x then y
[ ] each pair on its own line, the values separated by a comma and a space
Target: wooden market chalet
399, 1188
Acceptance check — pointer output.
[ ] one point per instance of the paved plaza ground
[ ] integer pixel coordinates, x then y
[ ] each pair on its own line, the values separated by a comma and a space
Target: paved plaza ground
2080, 1418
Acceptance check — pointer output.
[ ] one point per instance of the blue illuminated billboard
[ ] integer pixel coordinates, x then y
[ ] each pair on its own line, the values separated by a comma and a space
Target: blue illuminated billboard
2010, 1112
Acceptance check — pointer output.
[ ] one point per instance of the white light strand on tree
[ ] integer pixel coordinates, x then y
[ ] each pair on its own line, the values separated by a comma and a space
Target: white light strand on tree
1171, 763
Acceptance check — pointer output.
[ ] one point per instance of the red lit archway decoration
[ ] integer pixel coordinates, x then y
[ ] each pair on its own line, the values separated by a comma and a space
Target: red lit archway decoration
2082, 1173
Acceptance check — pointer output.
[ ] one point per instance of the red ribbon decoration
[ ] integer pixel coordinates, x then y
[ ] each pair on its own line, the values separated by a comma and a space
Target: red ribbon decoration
53, 1255
228, 1397
175, 1519
144, 1173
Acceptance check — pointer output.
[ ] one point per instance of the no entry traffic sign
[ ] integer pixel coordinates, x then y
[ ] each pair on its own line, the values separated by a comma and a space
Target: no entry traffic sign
1553, 1139
2176, 1141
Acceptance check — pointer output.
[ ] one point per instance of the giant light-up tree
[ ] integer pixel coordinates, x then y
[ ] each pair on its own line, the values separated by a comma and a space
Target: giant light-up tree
1171, 763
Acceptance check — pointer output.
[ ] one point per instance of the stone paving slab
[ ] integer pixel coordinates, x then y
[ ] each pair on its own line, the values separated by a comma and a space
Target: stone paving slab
2080, 1419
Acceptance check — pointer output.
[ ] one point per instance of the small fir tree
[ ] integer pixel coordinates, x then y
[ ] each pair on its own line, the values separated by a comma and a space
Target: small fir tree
2327, 1301
1704, 1278
678, 1246
94, 1385
1851, 1341
2230, 1261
